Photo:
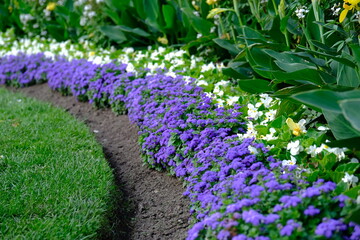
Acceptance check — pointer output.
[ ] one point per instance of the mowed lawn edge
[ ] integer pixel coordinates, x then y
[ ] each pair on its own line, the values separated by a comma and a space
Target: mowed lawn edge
55, 181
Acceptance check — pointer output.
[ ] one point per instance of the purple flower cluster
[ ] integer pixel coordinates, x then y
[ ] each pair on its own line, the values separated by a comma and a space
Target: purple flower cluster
234, 193
24, 70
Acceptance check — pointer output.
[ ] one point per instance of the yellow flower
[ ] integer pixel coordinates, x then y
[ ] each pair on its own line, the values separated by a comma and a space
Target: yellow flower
211, 2
51, 6
296, 128
348, 5
10, 9
91, 54
163, 40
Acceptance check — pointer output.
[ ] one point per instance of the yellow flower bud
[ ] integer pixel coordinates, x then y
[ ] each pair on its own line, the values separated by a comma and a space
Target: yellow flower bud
163, 40
51, 6
211, 2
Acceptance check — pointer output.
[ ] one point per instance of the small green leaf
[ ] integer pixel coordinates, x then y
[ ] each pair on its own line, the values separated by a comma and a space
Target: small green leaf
328, 161
354, 215
232, 48
353, 192
348, 167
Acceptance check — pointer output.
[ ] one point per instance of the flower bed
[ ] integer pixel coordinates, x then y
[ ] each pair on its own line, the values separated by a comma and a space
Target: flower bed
237, 188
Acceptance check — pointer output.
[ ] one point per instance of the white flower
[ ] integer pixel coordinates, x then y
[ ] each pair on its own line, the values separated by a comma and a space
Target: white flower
300, 12
339, 152
253, 112
231, 100
269, 116
289, 162
354, 160
207, 67
294, 147
351, 179
130, 67
313, 150
323, 128
270, 136
253, 150
266, 100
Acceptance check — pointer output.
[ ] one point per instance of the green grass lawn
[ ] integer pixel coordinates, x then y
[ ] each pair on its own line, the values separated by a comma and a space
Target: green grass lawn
54, 180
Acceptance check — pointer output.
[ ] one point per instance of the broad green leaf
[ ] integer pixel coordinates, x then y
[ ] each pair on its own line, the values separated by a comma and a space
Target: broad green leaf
261, 62
114, 33
326, 99
199, 24
339, 126
279, 122
255, 85
288, 91
347, 76
237, 71
303, 76
351, 111
216, 11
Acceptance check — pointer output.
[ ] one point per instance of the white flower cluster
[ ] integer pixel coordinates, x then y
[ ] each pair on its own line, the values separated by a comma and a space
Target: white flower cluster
300, 12
87, 14
313, 150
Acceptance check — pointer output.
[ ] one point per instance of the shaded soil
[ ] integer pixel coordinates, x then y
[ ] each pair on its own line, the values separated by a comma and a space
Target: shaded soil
152, 201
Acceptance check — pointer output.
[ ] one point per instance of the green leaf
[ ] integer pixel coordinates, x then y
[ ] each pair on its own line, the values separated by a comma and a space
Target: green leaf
136, 31
114, 33
341, 186
216, 11
116, 4
350, 109
286, 107
348, 167
354, 215
288, 91
336, 177
328, 161
351, 143
261, 62
237, 71
303, 76
232, 48
353, 192
347, 76
326, 99
289, 62
279, 122
169, 15
339, 126
255, 85
199, 24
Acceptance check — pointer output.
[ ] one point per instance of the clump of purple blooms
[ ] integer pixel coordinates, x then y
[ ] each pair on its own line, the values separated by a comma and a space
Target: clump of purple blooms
237, 190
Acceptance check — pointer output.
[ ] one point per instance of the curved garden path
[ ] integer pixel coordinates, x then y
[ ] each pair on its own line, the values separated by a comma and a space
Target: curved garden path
154, 203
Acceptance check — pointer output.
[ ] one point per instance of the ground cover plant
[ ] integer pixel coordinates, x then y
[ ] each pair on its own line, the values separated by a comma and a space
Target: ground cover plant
50, 188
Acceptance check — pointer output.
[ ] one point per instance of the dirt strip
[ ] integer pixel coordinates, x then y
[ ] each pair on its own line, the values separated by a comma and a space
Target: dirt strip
156, 207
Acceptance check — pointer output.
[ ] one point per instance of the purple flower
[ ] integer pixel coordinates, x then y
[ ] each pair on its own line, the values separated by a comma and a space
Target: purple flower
311, 211
288, 229
329, 226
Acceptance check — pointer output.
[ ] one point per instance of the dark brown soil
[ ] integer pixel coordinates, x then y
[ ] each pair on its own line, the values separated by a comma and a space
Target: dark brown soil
154, 205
